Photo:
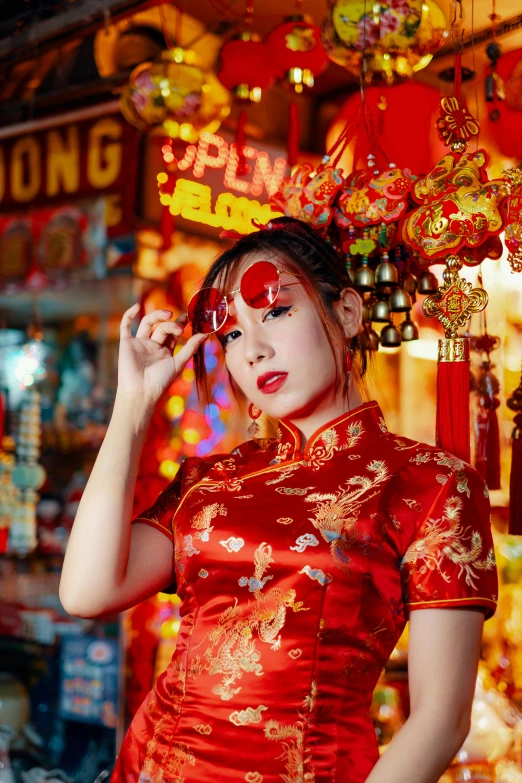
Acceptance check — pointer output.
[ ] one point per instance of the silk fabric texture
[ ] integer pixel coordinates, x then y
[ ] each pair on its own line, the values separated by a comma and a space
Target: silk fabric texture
297, 572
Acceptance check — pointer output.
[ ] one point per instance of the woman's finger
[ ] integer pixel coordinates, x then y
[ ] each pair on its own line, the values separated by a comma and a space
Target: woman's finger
164, 329
127, 319
188, 350
150, 319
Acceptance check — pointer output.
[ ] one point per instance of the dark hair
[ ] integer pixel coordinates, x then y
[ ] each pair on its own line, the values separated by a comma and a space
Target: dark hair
324, 271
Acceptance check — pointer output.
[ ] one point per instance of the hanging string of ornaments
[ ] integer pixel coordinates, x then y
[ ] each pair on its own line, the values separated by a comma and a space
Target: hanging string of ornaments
390, 222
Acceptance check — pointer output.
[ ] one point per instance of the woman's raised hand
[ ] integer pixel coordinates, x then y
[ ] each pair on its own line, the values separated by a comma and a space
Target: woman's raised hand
146, 365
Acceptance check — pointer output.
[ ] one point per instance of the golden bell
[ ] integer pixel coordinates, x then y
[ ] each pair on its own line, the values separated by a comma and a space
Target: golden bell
409, 283
381, 311
427, 283
400, 301
386, 274
390, 336
364, 278
409, 330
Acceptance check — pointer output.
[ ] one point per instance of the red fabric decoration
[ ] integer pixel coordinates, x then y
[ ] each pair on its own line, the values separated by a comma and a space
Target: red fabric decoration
507, 128
453, 419
297, 44
487, 453
240, 143
515, 485
382, 130
293, 134
246, 62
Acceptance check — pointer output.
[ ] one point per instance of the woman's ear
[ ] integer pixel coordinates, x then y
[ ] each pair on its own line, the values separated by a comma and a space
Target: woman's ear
349, 310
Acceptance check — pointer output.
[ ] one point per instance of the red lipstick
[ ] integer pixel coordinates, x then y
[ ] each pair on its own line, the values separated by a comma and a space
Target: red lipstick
270, 382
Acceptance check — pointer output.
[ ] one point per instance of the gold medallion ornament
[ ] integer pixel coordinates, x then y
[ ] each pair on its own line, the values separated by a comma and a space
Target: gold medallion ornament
455, 301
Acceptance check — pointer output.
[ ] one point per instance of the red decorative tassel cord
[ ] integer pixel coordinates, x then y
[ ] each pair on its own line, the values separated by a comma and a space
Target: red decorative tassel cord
294, 134
453, 418
487, 446
240, 143
166, 228
514, 403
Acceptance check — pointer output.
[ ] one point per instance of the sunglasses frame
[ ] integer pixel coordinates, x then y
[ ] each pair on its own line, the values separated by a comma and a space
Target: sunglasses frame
238, 290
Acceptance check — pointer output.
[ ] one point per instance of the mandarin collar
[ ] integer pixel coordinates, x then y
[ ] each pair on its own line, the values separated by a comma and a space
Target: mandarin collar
345, 431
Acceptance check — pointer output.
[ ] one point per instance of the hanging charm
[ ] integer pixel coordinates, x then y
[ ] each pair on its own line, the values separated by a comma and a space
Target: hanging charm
254, 412
487, 435
514, 403
455, 301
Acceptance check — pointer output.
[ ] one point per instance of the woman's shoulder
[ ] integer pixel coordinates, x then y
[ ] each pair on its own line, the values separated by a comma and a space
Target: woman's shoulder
422, 466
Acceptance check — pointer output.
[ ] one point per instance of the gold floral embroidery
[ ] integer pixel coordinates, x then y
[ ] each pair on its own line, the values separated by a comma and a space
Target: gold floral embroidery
195, 668
293, 490
250, 715
203, 728
203, 518
297, 758
443, 539
232, 649
413, 504
336, 513
283, 474
179, 756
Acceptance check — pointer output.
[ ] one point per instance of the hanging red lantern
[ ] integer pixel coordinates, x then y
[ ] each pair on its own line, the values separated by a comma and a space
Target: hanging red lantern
505, 119
383, 121
246, 67
297, 52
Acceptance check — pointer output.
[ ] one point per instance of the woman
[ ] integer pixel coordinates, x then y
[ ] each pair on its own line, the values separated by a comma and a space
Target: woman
297, 559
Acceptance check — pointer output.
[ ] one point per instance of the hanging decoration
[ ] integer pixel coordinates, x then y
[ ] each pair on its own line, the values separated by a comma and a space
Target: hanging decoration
513, 209
308, 195
175, 97
296, 51
383, 43
514, 403
503, 89
486, 388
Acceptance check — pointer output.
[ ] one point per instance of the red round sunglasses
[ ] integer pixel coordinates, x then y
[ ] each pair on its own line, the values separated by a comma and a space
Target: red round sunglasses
259, 286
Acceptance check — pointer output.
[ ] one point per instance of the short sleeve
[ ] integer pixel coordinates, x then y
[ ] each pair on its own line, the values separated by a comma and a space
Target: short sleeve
160, 514
450, 559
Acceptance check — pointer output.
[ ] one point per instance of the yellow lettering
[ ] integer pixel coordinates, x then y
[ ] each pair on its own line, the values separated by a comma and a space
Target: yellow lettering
104, 157
21, 189
63, 161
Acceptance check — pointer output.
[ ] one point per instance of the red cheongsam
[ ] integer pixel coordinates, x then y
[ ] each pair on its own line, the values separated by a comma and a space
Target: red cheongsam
296, 572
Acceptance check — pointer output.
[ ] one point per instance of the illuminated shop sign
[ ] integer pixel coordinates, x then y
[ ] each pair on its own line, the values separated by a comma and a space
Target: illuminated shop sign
81, 159
208, 189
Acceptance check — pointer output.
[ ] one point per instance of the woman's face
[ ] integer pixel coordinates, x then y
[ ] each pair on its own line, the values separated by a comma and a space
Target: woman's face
287, 338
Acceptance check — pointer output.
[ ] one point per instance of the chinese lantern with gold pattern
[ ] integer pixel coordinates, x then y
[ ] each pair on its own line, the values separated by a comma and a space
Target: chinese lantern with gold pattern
175, 96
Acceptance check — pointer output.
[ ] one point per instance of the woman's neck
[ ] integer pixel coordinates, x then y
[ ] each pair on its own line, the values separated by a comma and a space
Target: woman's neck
322, 414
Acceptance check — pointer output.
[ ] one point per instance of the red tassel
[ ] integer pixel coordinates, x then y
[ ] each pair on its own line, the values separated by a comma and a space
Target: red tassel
166, 228
242, 168
487, 451
515, 481
294, 134
453, 418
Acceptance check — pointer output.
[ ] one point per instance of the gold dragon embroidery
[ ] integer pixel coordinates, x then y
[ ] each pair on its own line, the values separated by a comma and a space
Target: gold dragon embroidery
203, 518
336, 513
442, 540
232, 649
296, 757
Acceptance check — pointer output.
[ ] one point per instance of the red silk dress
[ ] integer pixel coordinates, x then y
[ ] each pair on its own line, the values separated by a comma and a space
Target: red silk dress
296, 572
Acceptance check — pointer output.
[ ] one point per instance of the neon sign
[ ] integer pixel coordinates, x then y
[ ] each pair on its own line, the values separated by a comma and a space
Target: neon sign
209, 204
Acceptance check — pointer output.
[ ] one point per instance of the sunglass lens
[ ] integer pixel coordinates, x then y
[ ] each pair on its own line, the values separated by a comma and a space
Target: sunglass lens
207, 310
260, 284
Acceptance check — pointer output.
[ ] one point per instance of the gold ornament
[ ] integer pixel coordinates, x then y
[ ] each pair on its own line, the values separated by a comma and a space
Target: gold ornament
455, 301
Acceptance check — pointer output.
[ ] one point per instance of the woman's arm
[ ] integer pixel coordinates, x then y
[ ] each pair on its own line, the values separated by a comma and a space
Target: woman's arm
443, 655
107, 566
95, 578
